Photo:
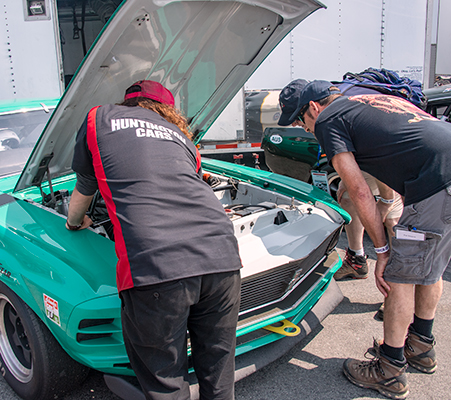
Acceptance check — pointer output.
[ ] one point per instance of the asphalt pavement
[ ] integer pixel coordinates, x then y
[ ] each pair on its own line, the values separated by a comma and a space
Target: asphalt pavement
312, 369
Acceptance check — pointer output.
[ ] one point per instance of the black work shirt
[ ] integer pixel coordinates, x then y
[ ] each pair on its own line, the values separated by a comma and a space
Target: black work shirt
168, 224
391, 139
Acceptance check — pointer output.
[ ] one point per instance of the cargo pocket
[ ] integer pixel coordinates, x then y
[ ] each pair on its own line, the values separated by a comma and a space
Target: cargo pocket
446, 212
413, 259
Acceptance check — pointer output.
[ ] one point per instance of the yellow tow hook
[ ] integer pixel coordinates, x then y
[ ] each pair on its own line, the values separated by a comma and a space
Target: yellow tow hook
284, 327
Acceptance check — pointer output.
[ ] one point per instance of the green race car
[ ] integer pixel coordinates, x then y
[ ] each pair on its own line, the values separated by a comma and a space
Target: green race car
59, 306
439, 102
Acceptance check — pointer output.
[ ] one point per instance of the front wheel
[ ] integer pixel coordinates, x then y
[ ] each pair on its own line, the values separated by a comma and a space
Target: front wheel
334, 180
32, 361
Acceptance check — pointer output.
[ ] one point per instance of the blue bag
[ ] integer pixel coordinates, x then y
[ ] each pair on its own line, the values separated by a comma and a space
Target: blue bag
387, 82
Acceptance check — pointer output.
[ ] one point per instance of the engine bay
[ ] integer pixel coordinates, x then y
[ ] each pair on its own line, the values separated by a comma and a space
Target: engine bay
241, 201
272, 228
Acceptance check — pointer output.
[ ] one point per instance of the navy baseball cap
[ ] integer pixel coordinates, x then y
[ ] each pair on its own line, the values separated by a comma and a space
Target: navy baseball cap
288, 101
314, 91
151, 90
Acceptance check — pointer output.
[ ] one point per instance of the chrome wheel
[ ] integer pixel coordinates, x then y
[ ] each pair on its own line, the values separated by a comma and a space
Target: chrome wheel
14, 345
32, 361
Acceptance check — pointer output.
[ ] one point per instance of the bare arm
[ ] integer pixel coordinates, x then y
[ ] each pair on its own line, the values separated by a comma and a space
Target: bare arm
363, 200
78, 206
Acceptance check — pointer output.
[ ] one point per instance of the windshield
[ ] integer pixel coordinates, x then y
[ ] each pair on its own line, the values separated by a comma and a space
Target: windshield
19, 131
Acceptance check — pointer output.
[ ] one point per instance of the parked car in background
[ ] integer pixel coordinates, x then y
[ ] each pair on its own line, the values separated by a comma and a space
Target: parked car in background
439, 102
21, 123
294, 152
59, 306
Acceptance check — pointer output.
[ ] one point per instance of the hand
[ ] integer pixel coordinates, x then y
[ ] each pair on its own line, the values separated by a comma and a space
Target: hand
381, 263
87, 222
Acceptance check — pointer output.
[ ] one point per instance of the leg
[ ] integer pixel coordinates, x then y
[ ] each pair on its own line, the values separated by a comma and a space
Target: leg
354, 265
427, 298
212, 326
393, 216
355, 229
154, 320
414, 275
419, 347
398, 313
385, 373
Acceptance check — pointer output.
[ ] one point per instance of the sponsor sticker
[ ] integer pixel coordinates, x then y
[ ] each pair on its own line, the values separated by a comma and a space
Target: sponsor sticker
276, 139
52, 310
319, 179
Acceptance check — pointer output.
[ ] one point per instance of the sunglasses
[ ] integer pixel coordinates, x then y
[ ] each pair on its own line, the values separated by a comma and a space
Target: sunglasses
302, 113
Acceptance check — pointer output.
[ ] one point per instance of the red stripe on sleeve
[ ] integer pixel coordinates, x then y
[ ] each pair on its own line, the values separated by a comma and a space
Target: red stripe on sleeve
198, 160
123, 273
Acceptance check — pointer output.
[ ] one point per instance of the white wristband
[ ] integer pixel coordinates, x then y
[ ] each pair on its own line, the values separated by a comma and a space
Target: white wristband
383, 249
386, 201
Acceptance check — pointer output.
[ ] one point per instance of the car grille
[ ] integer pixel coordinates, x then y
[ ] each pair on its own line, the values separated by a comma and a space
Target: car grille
273, 285
257, 292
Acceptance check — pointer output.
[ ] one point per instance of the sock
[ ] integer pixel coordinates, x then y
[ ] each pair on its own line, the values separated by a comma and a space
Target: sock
393, 352
423, 326
360, 252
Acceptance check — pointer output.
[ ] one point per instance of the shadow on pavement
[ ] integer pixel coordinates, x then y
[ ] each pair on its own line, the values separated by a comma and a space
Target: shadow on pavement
349, 307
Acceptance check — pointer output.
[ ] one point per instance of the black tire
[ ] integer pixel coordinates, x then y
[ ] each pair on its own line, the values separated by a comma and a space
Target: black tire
333, 179
32, 361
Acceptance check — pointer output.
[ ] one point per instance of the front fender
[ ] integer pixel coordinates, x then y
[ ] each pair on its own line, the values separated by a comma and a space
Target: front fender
51, 269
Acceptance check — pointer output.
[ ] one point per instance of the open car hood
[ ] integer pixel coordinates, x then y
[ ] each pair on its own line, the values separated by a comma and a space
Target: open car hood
202, 51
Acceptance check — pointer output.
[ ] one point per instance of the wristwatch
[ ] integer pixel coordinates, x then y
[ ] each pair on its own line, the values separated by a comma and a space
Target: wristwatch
73, 227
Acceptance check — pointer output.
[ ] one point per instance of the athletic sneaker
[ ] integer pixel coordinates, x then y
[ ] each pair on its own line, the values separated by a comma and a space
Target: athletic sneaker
382, 373
353, 267
419, 351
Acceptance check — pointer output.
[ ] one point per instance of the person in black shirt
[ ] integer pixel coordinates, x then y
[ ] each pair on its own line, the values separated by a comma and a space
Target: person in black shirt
178, 262
410, 151
389, 202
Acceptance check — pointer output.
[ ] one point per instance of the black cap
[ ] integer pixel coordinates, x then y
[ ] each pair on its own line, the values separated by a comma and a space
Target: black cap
314, 91
288, 100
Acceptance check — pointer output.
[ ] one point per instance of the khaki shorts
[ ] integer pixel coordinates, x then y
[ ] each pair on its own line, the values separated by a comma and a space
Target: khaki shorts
397, 207
422, 262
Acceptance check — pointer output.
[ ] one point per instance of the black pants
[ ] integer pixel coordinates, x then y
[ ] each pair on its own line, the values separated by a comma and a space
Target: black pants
155, 321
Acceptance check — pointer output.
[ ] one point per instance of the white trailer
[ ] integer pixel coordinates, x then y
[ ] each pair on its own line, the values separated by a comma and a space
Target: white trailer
407, 36
44, 41
31, 63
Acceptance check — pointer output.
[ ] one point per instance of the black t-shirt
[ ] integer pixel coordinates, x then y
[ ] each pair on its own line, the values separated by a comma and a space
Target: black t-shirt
391, 139
168, 224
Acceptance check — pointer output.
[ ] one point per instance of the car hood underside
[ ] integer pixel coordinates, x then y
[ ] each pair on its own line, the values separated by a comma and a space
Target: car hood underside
203, 51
